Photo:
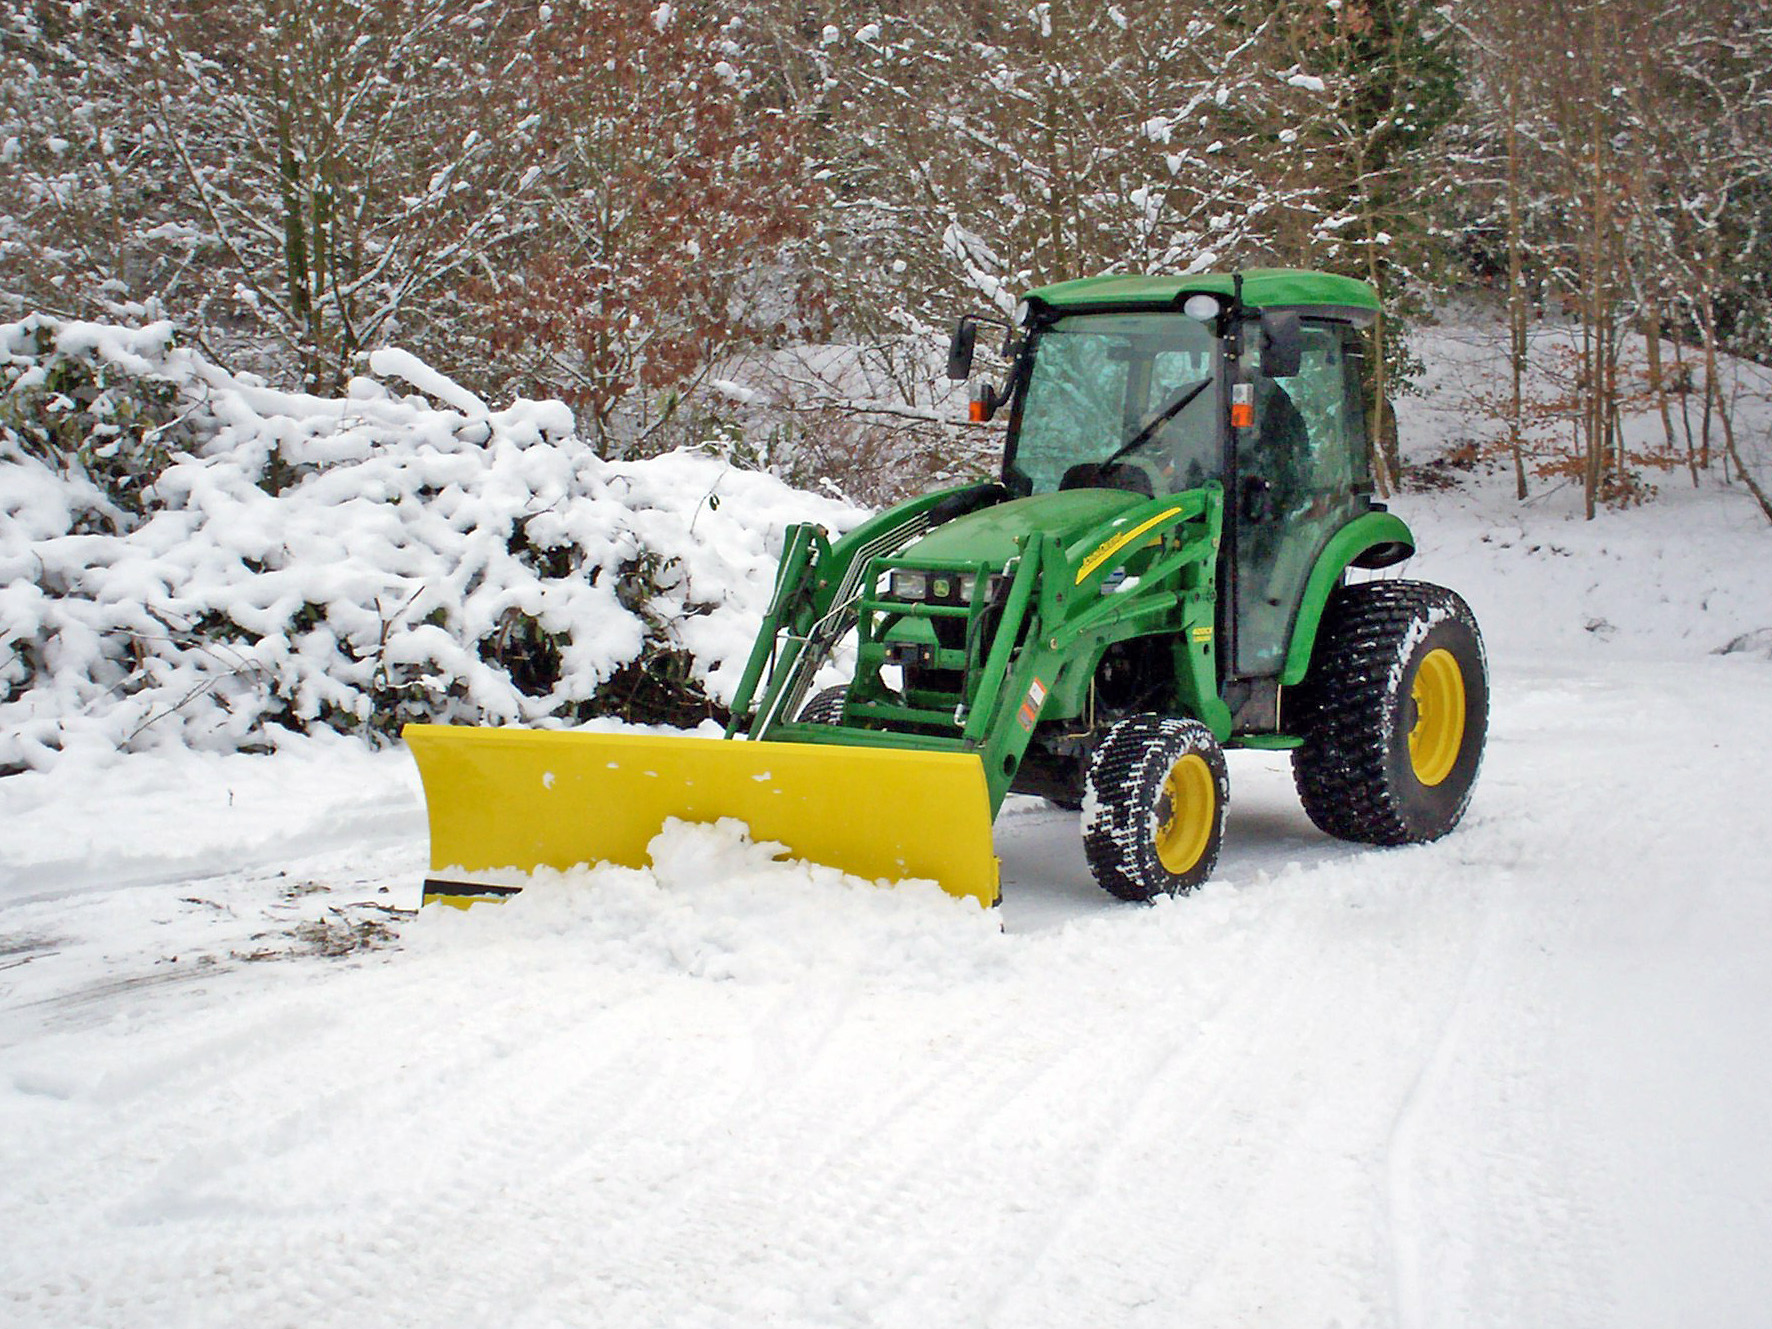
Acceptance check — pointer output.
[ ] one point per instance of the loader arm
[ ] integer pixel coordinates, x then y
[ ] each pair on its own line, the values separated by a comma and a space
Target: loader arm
818, 589
979, 671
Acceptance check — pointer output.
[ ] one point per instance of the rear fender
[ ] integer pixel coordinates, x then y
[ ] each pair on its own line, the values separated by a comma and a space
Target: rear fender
1372, 540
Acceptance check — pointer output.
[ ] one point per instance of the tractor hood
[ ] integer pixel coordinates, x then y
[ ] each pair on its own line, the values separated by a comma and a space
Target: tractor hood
990, 535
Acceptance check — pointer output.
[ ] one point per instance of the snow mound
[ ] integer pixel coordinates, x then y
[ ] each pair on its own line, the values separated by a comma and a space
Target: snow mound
717, 905
190, 558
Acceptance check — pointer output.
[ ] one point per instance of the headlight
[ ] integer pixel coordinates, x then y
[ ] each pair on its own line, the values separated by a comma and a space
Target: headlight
909, 585
942, 588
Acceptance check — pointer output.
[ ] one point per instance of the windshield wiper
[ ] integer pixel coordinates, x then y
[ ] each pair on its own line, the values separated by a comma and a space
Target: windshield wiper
1162, 418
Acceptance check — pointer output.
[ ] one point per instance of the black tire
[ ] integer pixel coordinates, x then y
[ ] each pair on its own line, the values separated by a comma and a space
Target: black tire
1146, 771
1391, 657
826, 707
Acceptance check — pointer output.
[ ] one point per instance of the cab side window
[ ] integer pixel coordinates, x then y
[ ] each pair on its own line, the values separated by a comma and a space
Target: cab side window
1308, 459
1353, 392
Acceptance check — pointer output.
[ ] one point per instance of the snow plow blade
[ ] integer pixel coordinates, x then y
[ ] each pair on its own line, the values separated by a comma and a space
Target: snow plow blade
503, 802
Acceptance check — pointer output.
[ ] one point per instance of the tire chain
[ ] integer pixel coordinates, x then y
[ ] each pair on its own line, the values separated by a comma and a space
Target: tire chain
1114, 845
1340, 771
826, 707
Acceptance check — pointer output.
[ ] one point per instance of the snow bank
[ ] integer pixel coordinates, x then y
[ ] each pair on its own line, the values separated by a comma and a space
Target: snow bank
714, 904
233, 563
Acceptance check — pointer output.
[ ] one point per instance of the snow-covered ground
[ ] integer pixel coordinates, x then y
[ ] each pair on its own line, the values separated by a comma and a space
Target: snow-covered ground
1517, 1077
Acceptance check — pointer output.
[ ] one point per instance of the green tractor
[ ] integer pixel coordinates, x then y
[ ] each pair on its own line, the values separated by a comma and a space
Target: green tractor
1160, 572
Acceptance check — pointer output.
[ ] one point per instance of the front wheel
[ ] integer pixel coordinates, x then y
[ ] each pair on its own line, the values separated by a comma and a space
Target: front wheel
1153, 807
1393, 714
826, 707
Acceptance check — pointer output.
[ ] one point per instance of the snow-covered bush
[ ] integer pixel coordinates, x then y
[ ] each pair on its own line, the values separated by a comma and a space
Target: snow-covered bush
102, 420
188, 556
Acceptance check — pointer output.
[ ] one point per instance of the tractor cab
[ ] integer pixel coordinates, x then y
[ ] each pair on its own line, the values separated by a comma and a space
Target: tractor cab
1162, 385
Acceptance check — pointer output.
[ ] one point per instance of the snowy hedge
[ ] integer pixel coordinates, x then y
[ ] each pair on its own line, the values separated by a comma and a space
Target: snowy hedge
188, 556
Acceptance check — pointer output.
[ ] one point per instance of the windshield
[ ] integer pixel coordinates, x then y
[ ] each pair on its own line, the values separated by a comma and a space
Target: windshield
1137, 390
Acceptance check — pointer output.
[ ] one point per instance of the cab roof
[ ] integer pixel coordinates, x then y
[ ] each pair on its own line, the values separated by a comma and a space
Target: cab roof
1263, 288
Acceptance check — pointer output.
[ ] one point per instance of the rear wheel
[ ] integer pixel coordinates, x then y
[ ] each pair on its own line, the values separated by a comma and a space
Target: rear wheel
1393, 714
1153, 815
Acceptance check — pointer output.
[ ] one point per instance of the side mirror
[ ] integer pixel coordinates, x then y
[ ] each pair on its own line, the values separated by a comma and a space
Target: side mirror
960, 350
1282, 343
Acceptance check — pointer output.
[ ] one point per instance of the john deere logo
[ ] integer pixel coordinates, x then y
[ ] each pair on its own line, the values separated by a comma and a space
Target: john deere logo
941, 588
1114, 544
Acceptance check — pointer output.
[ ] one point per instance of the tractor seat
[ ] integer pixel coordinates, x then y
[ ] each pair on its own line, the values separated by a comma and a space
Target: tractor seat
1093, 475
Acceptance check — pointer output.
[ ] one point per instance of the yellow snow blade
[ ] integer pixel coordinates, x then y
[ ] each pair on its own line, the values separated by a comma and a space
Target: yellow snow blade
504, 802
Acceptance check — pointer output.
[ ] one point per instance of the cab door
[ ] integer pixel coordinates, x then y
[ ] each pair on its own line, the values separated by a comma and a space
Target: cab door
1301, 476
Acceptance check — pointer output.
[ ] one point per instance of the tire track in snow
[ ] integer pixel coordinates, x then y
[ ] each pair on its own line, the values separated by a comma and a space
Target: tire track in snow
1177, 1095
1265, 1113
1405, 1217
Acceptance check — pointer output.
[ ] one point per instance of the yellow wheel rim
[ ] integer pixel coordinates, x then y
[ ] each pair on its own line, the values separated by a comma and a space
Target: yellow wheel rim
1191, 799
1438, 732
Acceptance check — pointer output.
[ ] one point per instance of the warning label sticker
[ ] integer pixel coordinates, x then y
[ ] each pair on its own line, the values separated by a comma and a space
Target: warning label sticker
1030, 705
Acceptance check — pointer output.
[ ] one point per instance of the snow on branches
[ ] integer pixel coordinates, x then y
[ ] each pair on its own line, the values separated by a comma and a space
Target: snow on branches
290, 562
